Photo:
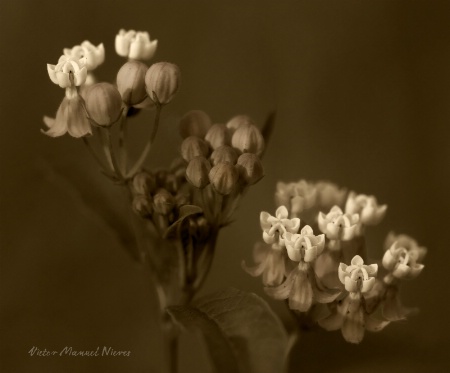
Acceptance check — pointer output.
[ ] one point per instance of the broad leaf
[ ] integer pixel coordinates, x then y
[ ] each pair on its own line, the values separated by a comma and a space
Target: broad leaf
241, 331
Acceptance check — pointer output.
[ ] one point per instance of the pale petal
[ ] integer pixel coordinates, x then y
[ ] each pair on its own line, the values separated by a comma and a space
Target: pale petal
301, 295
80, 76
353, 326
367, 285
401, 271
351, 286
375, 325
63, 79
342, 272
282, 291
389, 260
56, 128
122, 45
281, 212
263, 219
357, 261
52, 73
254, 271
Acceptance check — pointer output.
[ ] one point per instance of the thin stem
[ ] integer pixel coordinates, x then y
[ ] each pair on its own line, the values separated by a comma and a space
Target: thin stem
149, 144
112, 155
123, 155
95, 156
206, 265
170, 345
105, 147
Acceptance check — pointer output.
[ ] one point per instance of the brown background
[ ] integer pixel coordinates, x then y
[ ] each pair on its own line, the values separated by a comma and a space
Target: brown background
362, 94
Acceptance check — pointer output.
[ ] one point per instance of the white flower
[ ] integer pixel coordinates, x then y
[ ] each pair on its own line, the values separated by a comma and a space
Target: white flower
298, 196
69, 72
367, 207
135, 45
358, 277
275, 227
304, 246
94, 55
337, 225
403, 257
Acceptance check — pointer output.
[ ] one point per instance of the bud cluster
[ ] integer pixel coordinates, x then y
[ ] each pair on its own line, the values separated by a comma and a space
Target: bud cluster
325, 275
225, 156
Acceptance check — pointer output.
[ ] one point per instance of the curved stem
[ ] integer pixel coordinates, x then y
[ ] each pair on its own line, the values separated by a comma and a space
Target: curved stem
123, 155
149, 144
112, 156
91, 150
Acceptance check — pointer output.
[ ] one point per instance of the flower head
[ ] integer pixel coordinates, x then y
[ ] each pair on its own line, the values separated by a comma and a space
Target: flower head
304, 246
68, 72
275, 227
358, 277
135, 45
93, 55
337, 225
367, 207
403, 256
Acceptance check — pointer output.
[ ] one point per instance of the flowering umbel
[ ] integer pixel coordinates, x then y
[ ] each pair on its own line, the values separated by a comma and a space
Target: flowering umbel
325, 275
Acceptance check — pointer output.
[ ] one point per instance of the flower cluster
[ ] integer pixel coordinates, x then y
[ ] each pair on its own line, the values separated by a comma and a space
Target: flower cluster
178, 211
89, 105
325, 274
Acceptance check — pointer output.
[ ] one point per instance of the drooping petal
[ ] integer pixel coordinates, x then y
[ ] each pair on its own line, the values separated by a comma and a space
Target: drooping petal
55, 128
353, 326
301, 295
282, 291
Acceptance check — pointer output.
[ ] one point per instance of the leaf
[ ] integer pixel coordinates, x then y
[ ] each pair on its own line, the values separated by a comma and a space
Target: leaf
185, 211
242, 333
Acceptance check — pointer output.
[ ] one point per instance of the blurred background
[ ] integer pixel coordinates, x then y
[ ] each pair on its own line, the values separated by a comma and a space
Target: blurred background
361, 90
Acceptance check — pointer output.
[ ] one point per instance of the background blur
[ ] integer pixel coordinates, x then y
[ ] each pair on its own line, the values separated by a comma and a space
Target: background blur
362, 92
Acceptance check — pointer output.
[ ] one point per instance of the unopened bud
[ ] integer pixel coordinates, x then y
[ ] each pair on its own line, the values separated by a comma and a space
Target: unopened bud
171, 183
223, 177
162, 79
194, 123
163, 202
217, 136
250, 168
144, 183
238, 121
224, 154
131, 83
248, 139
103, 103
142, 205
193, 146
197, 172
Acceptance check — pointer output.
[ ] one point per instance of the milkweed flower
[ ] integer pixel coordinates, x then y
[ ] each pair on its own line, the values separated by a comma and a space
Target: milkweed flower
135, 45
68, 72
304, 246
94, 55
403, 256
358, 277
301, 287
367, 207
275, 227
350, 314
337, 225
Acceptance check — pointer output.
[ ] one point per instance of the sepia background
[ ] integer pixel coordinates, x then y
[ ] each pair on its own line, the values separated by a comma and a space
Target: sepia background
362, 93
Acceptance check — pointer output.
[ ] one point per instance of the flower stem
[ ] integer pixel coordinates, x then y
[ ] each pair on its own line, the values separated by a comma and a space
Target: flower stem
170, 346
149, 144
112, 155
123, 155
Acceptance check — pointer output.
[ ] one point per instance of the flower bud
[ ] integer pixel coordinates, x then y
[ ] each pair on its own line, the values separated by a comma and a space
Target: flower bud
248, 139
250, 168
131, 83
217, 136
103, 103
162, 79
223, 177
143, 183
193, 146
142, 205
224, 154
194, 123
238, 121
163, 202
197, 172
